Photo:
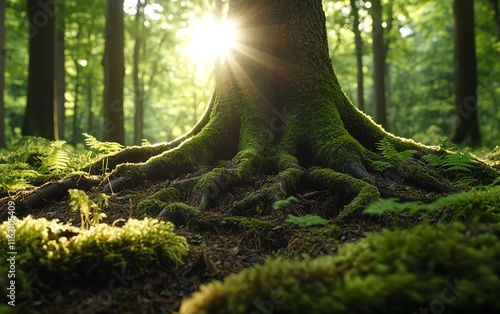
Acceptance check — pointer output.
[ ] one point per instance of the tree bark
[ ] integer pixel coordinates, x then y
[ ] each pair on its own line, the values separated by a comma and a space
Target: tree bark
60, 73
496, 16
2, 74
138, 90
114, 72
359, 54
40, 109
465, 125
379, 101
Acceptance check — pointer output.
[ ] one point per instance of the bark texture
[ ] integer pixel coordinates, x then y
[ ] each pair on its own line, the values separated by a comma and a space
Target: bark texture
359, 54
114, 71
379, 101
40, 108
466, 126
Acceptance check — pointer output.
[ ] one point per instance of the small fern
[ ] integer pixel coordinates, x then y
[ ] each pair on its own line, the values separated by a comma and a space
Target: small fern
80, 201
101, 147
395, 158
461, 161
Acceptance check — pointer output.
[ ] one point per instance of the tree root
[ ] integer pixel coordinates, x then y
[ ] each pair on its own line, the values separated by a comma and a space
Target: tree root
48, 192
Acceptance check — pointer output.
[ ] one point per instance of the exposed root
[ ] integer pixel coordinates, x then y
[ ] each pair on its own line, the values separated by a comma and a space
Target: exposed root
356, 194
48, 192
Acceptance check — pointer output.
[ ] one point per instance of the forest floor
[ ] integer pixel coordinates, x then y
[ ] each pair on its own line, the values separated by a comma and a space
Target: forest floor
219, 245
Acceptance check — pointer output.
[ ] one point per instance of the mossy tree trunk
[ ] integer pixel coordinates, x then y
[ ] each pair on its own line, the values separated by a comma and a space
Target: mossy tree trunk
278, 109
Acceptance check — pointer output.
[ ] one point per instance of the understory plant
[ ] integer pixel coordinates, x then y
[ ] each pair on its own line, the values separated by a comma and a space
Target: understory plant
402, 271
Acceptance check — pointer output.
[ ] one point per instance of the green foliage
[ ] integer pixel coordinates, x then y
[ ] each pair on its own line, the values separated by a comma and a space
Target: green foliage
279, 204
102, 148
395, 158
306, 220
90, 211
468, 207
459, 165
34, 160
390, 272
51, 255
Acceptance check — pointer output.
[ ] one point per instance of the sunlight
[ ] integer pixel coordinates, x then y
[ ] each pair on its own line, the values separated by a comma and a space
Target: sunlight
211, 41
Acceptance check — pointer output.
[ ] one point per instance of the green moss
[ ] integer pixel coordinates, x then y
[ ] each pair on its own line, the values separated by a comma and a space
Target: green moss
476, 205
429, 267
51, 255
149, 207
354, 194
328, 232
167, 195
179, 213
245, 224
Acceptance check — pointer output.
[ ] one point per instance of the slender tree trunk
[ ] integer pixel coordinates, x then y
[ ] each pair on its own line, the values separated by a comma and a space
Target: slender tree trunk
90, 102
75, 108
138, 91
496, 15
379, 101
2, 74
60, 73
359, 54
466, 125
114, 72
39, 116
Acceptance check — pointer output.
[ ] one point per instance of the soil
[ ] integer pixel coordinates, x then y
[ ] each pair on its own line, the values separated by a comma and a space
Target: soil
219, 246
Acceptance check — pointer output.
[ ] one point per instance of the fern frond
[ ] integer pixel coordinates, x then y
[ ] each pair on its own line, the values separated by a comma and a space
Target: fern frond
461, 161
433, 160
101, 147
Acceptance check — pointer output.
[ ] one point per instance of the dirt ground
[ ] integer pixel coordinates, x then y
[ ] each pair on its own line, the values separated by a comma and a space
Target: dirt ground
218, 246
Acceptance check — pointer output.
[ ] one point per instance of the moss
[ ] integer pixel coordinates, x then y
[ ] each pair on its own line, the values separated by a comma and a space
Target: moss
149, 207
153, 205
167, 195
179, 213
429, 267
476, 205
245, 224
51, 255
354, 194
327, 232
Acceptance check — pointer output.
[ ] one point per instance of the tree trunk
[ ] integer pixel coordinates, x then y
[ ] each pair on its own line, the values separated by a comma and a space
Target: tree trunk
60, 73
466, 125
39, 115
277, 105
114, 72
379, 102
496, 15
2, 74
359, 54
138, 91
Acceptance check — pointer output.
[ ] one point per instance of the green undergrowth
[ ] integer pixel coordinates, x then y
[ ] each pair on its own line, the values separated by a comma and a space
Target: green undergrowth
34, 160
422, 270
479, 205
51, 255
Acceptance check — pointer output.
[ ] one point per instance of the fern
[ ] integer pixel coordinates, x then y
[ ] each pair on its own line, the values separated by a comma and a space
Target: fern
388, 151
101, 147
461, 161
80, 201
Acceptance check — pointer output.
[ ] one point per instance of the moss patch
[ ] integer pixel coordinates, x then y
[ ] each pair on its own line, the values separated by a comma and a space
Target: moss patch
428, 267
51, 255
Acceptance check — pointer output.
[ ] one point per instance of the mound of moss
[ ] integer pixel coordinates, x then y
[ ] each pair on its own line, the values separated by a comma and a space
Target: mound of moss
51, 255
430, 269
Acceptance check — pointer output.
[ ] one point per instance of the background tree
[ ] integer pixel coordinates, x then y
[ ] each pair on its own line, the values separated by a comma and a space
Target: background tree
465, 125
40, 111
138, 85
2, 74
379, 66
114, 71
60, 70
358, 41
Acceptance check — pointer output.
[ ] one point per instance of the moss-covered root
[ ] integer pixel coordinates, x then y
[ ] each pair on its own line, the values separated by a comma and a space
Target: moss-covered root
281, 185
354, 194
427, 269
